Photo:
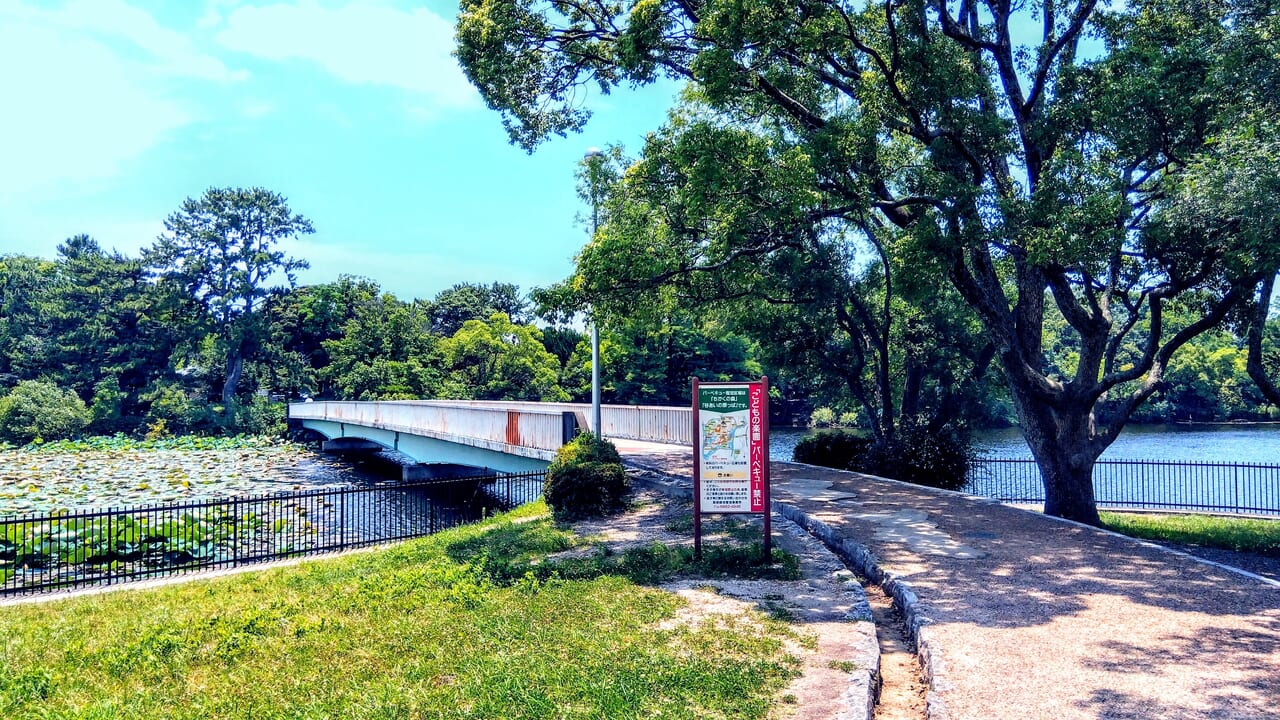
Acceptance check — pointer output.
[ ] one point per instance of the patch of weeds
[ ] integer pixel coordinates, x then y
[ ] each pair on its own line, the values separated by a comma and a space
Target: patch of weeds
778, 611
650, 565
844, 666
512, 542
681, 524
730, 526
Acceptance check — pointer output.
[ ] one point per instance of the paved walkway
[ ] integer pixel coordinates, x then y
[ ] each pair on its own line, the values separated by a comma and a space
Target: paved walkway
1021, 616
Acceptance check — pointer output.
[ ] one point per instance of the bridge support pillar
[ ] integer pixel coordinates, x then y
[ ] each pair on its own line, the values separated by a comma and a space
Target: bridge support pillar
349, 445
441, 471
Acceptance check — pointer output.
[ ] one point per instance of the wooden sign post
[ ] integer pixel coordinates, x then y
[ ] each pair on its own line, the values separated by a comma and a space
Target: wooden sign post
731, 453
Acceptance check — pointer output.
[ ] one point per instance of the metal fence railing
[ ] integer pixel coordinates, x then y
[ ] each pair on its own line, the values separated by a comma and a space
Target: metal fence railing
61, 550
1154, 484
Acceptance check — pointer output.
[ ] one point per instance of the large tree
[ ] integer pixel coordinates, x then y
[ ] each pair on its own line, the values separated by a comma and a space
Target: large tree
1029, 153
497, 359
223, 251
453, 306
386, 352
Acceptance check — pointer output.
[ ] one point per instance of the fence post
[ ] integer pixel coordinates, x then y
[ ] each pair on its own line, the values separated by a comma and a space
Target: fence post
1235, 480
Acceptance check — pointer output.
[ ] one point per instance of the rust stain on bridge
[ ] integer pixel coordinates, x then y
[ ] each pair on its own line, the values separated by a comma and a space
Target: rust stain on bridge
513, 428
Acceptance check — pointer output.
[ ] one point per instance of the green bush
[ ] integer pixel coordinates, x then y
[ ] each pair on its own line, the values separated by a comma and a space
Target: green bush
175, 410
585, 479
831, 448
588, 448
40, 410
104, 409
822, 417
938, 459
259, 416
915, 454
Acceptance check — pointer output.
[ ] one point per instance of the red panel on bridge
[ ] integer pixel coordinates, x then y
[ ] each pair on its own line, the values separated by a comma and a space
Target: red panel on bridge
513, 428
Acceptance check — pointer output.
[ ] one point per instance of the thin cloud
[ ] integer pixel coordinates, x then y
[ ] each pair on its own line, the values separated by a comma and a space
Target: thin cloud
90, 86
360, 43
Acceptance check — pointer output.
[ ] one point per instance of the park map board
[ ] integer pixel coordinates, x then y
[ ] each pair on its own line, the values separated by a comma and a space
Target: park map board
731, 450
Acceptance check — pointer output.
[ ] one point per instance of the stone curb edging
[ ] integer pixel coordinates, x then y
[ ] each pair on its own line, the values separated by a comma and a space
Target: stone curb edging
859, 696
918, 624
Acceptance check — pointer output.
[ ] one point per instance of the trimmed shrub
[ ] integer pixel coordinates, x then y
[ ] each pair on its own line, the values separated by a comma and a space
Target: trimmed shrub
831, 448
585, 479
40, 410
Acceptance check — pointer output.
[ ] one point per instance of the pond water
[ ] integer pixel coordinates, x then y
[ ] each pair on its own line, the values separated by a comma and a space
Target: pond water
1227, 442
37, 482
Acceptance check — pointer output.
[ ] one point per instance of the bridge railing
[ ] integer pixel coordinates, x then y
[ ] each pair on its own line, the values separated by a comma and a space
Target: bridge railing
526, 427
651, 423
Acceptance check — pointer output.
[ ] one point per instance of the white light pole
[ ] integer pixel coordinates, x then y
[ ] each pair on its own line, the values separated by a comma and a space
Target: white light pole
592, 158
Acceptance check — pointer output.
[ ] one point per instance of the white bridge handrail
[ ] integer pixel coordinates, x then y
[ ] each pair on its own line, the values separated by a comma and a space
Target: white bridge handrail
489, 418
651, 423
541, 429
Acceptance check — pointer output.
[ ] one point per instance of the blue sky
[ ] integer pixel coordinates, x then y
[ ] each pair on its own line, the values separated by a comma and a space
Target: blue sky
114, 111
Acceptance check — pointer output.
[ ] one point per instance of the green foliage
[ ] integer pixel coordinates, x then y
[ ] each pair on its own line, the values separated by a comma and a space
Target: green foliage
587, 447
385, 351
499, 359
175, 405
450, 309
514, 556
124, 443
106, 408
900, 193
917, 454
586, 479
221, 252
303, 321
259, 416
832, 448
40, 410
650, 360
823, 417
913, 454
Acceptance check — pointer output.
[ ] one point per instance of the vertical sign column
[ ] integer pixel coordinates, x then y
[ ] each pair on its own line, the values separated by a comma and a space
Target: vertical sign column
731, 446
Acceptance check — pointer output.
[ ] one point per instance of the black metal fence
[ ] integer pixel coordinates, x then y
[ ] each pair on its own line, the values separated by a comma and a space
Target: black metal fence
41, 553
1153, 484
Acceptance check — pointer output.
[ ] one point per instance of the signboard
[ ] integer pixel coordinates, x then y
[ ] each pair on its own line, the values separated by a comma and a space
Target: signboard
731, 450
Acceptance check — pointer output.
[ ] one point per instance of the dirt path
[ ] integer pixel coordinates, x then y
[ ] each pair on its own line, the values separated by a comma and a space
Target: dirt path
902, 684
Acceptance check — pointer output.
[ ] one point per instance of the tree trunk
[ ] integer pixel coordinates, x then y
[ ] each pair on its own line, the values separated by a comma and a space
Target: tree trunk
1062, 442
1257, 328
1068, 485
235, 366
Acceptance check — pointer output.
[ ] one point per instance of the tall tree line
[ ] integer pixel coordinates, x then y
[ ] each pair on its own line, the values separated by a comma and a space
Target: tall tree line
206, 331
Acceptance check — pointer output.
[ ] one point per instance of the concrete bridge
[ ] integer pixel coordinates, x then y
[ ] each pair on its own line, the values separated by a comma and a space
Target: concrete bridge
457, 437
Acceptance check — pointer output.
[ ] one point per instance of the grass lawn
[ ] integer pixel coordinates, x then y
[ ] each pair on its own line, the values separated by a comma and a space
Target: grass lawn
1230, 533
465, 624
